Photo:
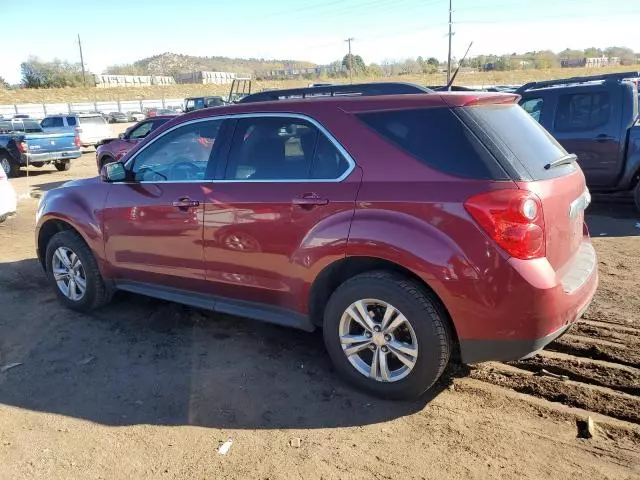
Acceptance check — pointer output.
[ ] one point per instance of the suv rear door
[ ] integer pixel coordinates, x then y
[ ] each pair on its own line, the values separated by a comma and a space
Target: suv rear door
280, 207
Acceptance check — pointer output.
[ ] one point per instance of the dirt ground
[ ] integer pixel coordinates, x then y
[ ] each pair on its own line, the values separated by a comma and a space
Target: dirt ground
148, 389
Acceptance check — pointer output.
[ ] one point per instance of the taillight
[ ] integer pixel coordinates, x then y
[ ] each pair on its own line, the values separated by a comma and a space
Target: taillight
23, 147
513, 219
76, 141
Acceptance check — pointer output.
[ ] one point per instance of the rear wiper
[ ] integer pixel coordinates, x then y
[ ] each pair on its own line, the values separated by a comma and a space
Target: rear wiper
564, 160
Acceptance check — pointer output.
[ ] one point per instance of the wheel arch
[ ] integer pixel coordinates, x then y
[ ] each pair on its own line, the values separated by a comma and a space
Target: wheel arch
47, 230
336, 273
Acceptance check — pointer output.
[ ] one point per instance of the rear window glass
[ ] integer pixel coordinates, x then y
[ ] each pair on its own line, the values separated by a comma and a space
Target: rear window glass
438, 138
97, 120
516, 138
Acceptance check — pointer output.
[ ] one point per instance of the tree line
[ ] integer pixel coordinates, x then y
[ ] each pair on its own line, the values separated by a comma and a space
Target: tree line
37, 73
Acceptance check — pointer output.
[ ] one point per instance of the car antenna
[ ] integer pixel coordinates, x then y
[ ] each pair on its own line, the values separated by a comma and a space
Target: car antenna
453, 77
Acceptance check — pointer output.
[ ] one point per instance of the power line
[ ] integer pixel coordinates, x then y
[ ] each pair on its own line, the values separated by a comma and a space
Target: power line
349, 40
84, 80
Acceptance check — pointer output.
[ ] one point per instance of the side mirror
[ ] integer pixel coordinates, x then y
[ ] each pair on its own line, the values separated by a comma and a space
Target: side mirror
122, 136
113, 172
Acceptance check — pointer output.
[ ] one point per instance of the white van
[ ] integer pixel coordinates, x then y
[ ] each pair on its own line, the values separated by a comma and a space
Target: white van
91, 127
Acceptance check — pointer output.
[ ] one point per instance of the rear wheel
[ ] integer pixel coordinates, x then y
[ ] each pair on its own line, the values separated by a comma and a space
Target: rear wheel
387, 335
63, 165
74, 273
11, 169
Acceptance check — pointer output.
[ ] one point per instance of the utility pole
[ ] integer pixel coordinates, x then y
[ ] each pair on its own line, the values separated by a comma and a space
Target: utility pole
349, 40
450, 35
84, 79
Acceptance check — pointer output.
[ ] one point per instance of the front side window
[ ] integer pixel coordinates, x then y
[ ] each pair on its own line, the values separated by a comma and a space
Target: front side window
71, 121
141, 131
180, 155
273, 148
582, 111
533, 106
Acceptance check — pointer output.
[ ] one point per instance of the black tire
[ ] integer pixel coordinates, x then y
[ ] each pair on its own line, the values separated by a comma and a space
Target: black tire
96, 294
636, 196
63, 165
10, 168
423, 312
104, 160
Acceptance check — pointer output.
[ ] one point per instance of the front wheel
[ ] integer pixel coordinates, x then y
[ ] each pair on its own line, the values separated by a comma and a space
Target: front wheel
63, 166
387, 335
10, 169
73, 271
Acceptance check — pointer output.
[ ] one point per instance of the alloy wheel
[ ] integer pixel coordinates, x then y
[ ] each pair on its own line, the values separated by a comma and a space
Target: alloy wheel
69, 273
378, 340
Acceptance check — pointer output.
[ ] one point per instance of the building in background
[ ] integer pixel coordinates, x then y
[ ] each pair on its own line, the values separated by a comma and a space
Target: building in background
206, 78
590, 62
109, 81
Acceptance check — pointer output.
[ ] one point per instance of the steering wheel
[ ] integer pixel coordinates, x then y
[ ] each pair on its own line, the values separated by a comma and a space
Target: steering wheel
185, 170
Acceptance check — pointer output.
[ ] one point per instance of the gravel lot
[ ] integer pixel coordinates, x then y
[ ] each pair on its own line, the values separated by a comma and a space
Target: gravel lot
149, 389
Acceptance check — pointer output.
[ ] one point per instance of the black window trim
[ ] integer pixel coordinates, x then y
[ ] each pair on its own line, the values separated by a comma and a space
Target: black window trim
225, 157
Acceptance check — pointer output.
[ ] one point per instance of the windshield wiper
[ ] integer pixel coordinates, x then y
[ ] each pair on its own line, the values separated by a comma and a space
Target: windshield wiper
564, 160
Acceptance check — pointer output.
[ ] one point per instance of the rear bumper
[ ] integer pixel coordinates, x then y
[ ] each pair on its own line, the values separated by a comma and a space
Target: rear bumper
48, 157
475, 351
538, 306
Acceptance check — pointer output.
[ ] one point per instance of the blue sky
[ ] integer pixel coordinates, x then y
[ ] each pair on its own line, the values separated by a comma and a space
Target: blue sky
121, 31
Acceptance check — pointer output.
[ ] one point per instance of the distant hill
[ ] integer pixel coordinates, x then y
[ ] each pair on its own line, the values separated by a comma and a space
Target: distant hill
172, 64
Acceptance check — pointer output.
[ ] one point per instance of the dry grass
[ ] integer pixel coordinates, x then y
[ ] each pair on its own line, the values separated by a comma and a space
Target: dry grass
182, 91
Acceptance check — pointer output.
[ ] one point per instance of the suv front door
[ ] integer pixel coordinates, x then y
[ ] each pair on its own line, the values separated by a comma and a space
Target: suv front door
153, 221
279, 213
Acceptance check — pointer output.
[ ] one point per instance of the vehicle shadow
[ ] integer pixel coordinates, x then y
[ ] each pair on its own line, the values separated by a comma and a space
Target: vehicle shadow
142, 361
45, 187
608, 217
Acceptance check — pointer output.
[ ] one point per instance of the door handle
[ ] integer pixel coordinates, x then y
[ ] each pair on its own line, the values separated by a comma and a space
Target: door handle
604, 138
185, 202
310, 200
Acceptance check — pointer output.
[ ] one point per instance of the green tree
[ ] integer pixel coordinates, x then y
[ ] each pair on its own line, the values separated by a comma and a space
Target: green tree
626, 55
356, 61
375, 70
568, 54
433, 61
126, 70
3, 83
58, 73
593, 52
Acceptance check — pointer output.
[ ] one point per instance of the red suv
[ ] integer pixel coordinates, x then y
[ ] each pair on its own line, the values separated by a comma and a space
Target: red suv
410, 227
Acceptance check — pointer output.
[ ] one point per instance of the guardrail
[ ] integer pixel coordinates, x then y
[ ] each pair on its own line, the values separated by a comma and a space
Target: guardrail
41, 110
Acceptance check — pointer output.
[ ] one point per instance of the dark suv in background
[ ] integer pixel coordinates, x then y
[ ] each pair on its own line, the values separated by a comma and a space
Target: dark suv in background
410, 225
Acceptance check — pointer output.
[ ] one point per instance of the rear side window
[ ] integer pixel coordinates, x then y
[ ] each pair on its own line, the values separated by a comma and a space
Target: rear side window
517, 140
29, 126
52, 122
71, 121
273, 148
438, 138
97, 120
582, 111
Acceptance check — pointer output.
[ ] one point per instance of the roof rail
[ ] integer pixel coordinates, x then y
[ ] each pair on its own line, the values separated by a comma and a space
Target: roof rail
607, 77
358, 89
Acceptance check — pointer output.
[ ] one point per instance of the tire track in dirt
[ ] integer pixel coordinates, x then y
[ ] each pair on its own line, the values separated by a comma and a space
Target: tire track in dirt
597, 350
604, 374
572, 393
